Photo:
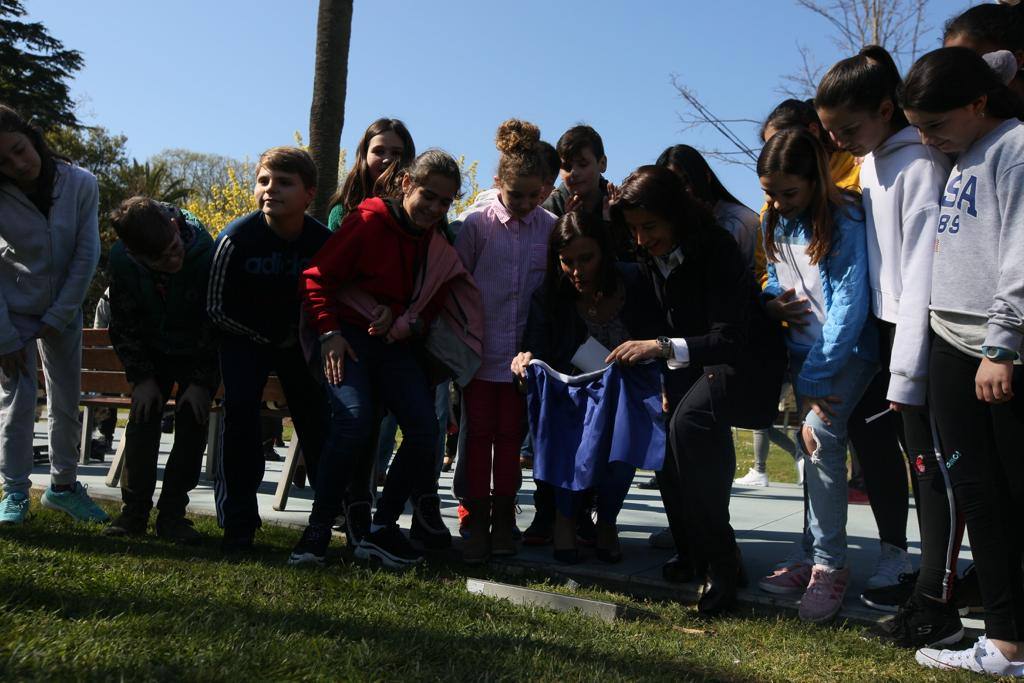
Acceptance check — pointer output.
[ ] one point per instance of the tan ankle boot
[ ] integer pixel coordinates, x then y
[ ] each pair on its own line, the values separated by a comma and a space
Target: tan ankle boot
477, 547
502, 522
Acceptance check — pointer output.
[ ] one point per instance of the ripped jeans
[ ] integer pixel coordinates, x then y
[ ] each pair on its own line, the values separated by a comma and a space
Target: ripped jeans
824, 538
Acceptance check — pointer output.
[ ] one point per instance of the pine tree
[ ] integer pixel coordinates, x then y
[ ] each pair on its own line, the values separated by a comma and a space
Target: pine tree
34, 69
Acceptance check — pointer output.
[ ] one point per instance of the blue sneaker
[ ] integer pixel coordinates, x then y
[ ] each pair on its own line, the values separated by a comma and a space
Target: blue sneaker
75, 502
13, 508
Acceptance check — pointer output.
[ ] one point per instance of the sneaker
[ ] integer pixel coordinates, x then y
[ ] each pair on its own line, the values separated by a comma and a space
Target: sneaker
892, 562
662, 540
357, 522
427, 525
127, 525
312, 547
75, 503
983, 658
752, 478
13, 508
177, 530
390, 546
539, 532
890, 598
788, 578
650, 485
967, 592
922, 623
824, 594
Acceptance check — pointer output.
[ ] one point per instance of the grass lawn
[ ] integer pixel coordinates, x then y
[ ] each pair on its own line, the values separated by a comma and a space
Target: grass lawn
77, 605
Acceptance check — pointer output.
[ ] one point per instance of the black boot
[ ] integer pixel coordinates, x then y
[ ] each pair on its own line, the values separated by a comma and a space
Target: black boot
719, 594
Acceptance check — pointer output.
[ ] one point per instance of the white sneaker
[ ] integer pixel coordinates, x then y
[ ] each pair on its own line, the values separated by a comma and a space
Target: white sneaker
982, 658
753, 478
662, 540
801, 463
892, 562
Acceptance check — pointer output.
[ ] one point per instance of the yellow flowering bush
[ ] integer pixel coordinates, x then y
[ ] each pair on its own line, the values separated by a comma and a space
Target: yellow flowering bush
226, 202
470, 186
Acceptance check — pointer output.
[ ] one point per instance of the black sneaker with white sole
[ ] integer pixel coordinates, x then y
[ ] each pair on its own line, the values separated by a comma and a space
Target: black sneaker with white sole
890, 598
390, 546
312, 547
357, 522
427, 525
922, 623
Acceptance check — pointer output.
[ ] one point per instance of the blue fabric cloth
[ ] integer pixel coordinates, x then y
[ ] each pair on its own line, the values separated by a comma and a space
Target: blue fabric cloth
580, 425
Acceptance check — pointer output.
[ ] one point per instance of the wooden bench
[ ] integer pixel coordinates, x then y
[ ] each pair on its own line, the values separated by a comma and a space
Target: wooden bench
104, 385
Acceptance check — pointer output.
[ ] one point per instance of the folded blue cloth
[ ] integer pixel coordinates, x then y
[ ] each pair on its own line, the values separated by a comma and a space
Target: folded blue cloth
581, 423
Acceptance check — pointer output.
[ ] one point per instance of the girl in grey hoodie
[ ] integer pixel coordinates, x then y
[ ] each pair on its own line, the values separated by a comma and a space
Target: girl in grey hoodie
49, 247
975, 378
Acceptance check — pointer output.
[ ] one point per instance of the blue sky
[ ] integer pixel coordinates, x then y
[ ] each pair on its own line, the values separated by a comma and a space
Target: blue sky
235, 76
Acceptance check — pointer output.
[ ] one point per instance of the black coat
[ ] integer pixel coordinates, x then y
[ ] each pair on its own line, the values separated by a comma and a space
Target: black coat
714, 303
553, 334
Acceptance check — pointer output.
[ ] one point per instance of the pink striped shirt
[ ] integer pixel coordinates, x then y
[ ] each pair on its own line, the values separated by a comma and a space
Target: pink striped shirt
507, 258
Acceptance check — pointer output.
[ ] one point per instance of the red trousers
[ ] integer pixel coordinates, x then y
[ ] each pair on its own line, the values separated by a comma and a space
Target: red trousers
495, 415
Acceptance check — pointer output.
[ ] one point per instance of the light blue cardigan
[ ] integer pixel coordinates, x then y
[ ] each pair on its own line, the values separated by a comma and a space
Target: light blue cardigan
47, 262
844, 282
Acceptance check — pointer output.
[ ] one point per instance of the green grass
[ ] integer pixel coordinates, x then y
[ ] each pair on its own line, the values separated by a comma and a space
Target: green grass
77, 605
780, 465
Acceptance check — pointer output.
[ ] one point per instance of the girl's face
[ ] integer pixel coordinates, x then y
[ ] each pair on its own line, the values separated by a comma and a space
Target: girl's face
858, 131
428, 203
951, 131
581, 263
381, 151
521, 194
653, 233
788, 194
19, 160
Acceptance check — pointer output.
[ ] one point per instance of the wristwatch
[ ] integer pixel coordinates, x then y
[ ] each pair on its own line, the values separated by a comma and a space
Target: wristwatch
665, 346
998, 353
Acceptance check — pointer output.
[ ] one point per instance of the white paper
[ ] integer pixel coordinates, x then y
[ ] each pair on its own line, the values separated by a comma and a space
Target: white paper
590, 356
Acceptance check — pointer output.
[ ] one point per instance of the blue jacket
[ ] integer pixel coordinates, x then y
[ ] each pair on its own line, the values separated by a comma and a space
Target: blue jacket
846, 289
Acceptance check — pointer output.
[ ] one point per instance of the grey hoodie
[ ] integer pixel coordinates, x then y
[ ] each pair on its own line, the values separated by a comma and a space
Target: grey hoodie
901, 183
47, 262
978, 272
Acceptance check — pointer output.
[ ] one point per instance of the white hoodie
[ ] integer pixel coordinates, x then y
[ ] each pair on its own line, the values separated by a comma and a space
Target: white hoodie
901, 184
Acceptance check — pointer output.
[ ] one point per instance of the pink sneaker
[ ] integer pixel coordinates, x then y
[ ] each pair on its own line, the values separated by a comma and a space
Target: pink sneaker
789, 579
824, 594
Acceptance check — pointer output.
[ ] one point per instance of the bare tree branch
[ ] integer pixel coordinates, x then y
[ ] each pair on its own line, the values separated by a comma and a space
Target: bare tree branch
701, 115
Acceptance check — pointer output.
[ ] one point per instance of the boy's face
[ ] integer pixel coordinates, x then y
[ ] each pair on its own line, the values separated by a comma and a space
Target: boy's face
172, 258
582, 173
280, 194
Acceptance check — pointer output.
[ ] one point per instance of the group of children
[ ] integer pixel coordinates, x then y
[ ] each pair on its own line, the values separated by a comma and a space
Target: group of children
889, 251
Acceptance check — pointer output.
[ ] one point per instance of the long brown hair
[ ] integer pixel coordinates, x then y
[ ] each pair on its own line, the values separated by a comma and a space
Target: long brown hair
795, 151
357, 185
11, 121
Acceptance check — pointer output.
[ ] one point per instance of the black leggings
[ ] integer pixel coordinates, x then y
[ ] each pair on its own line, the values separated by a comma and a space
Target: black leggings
983, 446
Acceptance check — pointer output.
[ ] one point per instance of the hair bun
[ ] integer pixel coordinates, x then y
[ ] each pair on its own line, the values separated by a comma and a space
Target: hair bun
1003, 63
517, 137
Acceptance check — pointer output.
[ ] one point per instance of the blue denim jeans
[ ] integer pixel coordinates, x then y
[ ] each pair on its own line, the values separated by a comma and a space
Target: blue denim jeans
388, 375
824, 540
389, 431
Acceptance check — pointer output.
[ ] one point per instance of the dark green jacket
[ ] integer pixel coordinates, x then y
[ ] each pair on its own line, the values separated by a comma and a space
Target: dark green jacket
147, 327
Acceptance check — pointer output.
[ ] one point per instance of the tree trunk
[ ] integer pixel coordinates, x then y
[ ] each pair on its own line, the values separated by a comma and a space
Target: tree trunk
327, 111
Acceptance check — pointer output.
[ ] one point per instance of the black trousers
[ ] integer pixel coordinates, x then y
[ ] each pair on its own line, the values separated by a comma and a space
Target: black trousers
877, 445
983, 446
245, 367
142, 447
696, 480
